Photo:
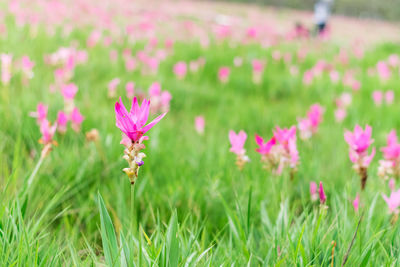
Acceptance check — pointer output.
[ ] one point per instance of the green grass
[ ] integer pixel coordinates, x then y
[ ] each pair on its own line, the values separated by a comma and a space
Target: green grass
192, 206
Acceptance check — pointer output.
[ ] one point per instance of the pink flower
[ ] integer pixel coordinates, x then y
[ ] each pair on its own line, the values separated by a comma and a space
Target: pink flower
258, 65
130, 64
393, 201
132, 124
308, 77
223, 74
237, 61
377, 96
130, 89
359, 140
47, 132
356, 203
69, 91
322, 196
309, 125
334, 75
26, 66
237, 142
313, 191
394, 60
389, 97
180, 69
284, 135
264, 147
340, 114
199, 124
390, 166
160, 100
62, 120
76, 119
40, 114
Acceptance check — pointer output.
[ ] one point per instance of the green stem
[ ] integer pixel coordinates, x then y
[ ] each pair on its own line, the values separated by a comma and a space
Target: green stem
132, 211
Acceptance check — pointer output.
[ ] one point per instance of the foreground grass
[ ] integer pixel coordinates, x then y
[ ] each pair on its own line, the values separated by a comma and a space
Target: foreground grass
192, 205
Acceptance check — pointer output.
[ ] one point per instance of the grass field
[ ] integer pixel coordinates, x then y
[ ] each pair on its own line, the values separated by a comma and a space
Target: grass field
191, 205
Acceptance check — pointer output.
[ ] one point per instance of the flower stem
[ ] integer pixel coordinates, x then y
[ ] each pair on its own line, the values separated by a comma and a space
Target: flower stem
33, 175
132, 211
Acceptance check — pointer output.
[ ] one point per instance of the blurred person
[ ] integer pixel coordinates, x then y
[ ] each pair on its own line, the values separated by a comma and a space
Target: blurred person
322, 11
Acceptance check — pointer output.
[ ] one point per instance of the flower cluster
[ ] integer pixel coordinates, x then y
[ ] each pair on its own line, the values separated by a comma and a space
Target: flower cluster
359, 141
280, 151
159, 99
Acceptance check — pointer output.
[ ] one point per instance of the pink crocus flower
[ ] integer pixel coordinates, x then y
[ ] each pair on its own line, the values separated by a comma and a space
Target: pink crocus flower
389, 97
356, 203
359, 141
199, 124
76, 119
377, 96
112, 87
180, 69
223, 74
322, 196
132, 123
313, 191
237, 146
130, 89
62, 120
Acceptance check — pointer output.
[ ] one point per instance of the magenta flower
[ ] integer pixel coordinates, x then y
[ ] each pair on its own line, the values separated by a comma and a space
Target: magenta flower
62, 120
359, 142
309, 126
284, 135
264, 147
199, 124
322, 196
356, 203
132, 123
76, 119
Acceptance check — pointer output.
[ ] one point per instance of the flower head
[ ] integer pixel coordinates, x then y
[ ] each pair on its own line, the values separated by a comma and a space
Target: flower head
264, 147
199, 124
76, 119
132, 123
322, 196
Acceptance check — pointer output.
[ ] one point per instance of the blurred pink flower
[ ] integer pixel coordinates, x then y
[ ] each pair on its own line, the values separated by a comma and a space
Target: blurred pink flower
356, 203
393, 201
199, 124
389, 97
47, 132
264, 148
62, 121
132, 124
160, 100
40, 114
69, 91
340, 114
383, 70
180, 69
237, 142
6, 61
309, 125
359, 141
76, 119
392, 184
377, 96
130, 90
223, 74
313, 191
112, 87
334, 75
